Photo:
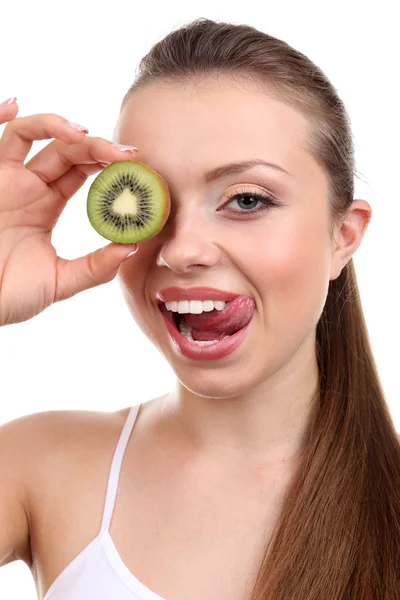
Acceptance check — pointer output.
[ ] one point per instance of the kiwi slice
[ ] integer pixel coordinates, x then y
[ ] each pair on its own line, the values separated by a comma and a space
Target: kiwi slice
128, 202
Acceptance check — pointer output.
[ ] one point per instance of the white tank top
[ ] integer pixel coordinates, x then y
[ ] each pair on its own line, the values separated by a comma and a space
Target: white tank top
98, 572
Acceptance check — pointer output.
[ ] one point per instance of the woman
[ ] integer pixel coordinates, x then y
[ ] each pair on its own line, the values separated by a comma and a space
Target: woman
272, 470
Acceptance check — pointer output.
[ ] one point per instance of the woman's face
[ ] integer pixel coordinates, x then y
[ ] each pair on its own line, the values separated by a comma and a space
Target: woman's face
281, 256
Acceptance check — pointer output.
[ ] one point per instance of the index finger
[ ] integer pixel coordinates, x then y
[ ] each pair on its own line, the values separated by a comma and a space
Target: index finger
20, 133
8, 110
56, 158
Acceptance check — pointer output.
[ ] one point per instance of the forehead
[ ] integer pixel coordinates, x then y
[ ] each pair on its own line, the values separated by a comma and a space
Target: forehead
196, 126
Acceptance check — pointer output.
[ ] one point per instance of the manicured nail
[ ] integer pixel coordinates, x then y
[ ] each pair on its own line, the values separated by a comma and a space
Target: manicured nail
126, 148
131, 253
8, 101
78, 127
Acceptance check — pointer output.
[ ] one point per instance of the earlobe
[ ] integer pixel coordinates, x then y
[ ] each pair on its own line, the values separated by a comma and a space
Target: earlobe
336, 270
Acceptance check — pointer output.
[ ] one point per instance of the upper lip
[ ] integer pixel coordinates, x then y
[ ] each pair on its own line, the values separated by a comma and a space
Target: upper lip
194, 293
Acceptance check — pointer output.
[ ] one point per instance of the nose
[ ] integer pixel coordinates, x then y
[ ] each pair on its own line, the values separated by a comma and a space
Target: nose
188, 245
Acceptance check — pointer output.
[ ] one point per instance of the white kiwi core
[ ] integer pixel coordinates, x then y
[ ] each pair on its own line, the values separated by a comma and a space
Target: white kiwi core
126, 204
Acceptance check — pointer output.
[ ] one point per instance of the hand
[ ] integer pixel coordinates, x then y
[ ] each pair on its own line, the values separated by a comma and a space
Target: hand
32, 198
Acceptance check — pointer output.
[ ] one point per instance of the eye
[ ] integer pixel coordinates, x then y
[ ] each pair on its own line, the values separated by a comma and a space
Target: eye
247, 202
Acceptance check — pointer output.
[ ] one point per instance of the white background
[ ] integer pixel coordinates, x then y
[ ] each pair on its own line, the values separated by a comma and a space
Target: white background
78, 59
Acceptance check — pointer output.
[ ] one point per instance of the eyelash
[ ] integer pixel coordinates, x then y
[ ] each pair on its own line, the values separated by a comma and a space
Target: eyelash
268, 202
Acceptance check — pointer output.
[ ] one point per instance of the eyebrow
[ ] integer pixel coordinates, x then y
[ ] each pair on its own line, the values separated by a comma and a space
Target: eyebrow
239, 167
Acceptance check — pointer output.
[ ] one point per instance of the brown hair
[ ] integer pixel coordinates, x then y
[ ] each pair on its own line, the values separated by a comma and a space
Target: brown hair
338, 535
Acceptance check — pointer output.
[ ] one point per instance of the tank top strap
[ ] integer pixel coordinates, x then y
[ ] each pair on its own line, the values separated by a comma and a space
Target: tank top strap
115, 469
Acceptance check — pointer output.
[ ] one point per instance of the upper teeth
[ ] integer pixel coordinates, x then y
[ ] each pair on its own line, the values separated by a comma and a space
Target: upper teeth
195, 306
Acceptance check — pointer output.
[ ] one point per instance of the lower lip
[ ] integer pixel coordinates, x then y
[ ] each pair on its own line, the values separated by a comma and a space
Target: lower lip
211, 352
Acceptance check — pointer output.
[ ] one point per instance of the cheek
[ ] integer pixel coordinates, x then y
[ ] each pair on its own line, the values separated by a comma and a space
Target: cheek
294, 273
133, 278
135, 274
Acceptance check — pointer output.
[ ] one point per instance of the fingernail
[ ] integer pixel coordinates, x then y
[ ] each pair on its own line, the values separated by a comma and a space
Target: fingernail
8, 101
126, 148
78, 127
131, 253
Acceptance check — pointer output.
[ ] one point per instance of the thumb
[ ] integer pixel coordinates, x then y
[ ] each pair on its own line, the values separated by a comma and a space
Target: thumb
96, 268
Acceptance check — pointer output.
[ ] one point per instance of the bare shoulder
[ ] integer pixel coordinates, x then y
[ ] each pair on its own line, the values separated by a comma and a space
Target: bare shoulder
51, 440
39, 435
42, 452
37, 453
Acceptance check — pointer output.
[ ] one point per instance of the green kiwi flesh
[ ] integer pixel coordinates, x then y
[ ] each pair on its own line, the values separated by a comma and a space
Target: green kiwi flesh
128, 202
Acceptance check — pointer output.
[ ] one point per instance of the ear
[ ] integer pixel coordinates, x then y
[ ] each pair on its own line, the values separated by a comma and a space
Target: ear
349, 236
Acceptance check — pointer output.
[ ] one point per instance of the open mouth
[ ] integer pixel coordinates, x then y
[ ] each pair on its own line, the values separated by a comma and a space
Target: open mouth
212, 335
175, 318
179, 323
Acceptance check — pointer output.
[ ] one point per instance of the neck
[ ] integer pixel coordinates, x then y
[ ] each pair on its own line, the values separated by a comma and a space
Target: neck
263, 426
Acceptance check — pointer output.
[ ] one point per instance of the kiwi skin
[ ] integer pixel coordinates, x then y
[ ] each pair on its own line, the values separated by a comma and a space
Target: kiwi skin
162, 203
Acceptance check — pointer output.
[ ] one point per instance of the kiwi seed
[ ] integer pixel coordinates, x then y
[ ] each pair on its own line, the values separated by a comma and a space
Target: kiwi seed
128, 202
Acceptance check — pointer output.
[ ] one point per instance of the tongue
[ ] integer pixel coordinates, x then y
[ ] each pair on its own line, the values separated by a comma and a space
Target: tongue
214, 325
